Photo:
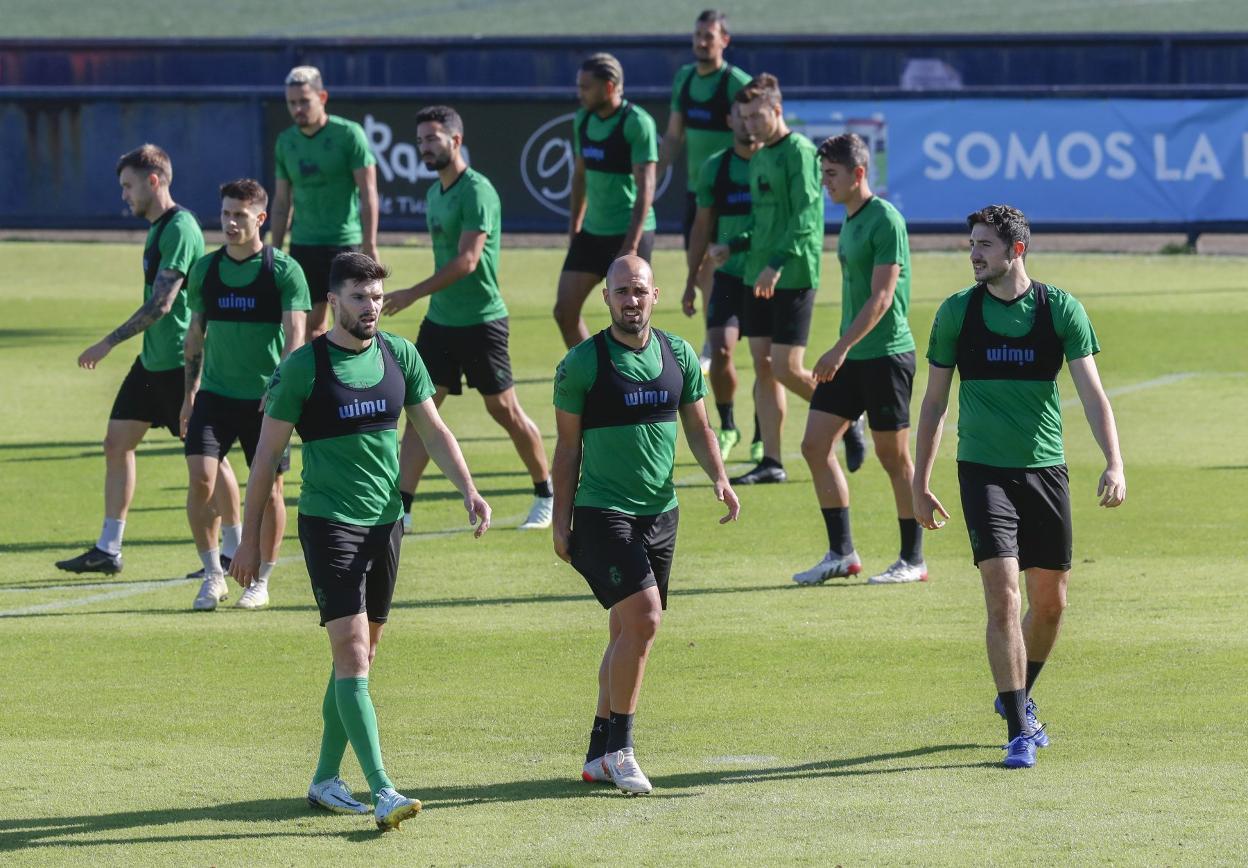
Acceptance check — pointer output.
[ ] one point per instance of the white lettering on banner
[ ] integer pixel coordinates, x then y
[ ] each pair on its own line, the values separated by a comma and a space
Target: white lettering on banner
1201, 161
978, 171
1164, 173
1039, 160
1068, 166
1117, 146
932, 145
1079, 155
397, 159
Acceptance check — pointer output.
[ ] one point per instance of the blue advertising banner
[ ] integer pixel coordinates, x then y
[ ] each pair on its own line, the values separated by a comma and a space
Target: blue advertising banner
1084, 161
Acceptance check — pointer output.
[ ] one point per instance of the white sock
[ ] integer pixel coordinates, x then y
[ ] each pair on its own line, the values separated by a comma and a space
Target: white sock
211, 561
231, 536
110, 536
266, 570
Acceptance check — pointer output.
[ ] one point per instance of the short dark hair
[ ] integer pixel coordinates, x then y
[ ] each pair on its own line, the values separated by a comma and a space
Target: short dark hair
356, 268
604, 67
847, 149
246, 190
1008, 222
148, 159
713, 16
441, 114
763, 85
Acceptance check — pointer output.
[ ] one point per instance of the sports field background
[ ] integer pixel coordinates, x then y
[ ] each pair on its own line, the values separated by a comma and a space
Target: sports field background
311, 18
844, 724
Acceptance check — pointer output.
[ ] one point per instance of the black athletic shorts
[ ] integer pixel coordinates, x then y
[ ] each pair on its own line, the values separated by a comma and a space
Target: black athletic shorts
691, 213
785, 317
593, 254
620, 554
1021, 513
315, 260
352, 568
477, 352
723, 308
880, 386
151, 396
217, 421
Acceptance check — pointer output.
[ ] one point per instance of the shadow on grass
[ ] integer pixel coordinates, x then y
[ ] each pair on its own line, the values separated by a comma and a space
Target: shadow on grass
282, 814
71, 547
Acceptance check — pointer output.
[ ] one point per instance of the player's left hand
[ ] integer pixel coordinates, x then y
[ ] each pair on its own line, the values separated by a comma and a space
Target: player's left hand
689, 301
93, 354
245, 567
370, 250
478, 513
827, 366
400, 299
765, 286
1112, 487
725, 495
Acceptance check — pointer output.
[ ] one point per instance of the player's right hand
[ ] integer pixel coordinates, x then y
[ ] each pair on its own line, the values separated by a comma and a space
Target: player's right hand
479, 513
563, 544
725, 494
926, 506
184, 417
245, 567
93, 355
396, 301
688, 301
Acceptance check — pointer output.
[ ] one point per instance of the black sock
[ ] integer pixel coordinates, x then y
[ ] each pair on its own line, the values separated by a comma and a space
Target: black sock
620, 732
758, 435
1033, 671
836, 519
1015, 703
407, 500
725, 416
911, 541
597, 739
543, 489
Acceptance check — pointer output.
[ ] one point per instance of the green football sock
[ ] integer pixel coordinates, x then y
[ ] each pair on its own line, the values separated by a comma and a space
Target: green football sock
355, 707
333, 738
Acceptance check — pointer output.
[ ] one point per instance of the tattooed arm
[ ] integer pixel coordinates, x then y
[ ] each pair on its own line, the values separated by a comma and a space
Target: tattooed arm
164, 291
193, 356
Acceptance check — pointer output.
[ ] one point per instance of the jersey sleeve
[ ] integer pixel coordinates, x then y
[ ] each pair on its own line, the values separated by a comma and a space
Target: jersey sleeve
678, 84
577, 120
279, 164
1074, 328
195, 285
415, 374
738, 79
889, 242
479, 209
805, 206
181, 244
360, 154
695, 384
574, 376
290, 385
704, 188
293, 285
942, 346
642, 136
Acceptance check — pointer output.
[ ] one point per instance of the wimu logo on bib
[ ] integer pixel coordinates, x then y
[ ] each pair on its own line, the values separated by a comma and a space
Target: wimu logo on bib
646, 398
236, 302
1011, 355
358, 409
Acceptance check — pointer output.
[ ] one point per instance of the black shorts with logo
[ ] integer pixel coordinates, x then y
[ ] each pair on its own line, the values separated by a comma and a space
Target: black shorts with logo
593, 254
785, 317
218, 421
691, 213
352, 568
882, 387
476, 352
151, 396
723, 308
621, 554
315, 260
1021, 513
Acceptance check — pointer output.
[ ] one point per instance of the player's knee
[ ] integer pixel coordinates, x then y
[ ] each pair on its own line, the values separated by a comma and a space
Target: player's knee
114, 446
721, 354
1048, 608
644, 626
815, 448
1003, 608
895, 462
763, 369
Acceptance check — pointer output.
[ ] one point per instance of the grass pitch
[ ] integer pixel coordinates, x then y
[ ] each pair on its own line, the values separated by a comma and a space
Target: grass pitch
844, 724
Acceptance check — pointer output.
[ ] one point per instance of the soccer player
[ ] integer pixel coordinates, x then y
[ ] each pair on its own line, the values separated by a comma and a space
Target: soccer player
702, 95
723, 190
870, 367
1007, 336
344, 393
617, 399
612, 214
248, 303
783, 246
327, 182
151, 394
465, 333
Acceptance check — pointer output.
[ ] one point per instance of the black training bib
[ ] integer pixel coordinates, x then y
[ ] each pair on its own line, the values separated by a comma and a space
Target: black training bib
258, 301
711, 115
985, 355
615, 400
334, 409
613, 154
731, 199
151, 253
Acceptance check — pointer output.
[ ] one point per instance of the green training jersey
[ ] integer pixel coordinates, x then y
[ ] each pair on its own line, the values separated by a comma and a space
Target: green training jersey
352, 479
470, 205
727, 225
320, 169
705, 92
181, 244
239, 357
875, 235
627, 468
1010, 423
786, 229
609, 195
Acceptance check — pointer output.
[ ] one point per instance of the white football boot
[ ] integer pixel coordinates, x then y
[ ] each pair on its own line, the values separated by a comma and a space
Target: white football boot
539, 514
334, 795
393, 808
831, 567
211, 591
626, 774
255, 595
900, 572
595, 771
